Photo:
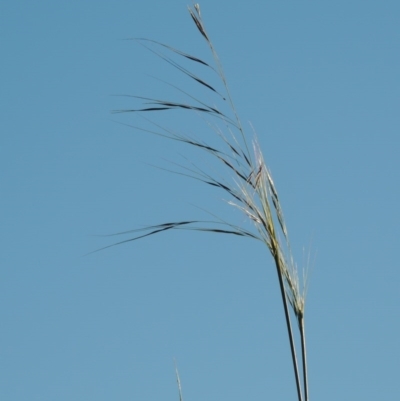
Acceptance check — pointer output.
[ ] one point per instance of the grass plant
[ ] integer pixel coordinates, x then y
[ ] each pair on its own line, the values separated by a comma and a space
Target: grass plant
250, 188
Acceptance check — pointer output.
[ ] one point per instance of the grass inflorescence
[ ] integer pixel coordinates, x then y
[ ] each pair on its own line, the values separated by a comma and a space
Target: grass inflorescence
251, 188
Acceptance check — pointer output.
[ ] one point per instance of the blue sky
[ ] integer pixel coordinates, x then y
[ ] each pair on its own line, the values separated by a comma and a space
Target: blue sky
320, 85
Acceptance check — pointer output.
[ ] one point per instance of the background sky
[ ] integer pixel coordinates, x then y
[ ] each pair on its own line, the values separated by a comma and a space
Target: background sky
318, 81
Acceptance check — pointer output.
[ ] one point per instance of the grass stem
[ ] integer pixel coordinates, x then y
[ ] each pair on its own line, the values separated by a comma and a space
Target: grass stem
304, 356
289, 326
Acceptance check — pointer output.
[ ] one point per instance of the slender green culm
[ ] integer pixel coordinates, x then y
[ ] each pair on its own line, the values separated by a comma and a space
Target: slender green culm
178, 382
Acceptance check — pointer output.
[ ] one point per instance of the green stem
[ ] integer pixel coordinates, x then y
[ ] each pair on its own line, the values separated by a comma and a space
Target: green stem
304, 357
289, 326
